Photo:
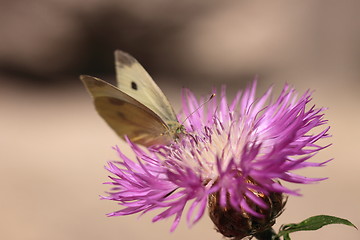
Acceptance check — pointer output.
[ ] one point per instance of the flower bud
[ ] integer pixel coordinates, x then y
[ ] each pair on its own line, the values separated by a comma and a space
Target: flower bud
237, 224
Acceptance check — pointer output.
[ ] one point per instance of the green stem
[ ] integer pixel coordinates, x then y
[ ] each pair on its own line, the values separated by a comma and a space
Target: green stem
268, 234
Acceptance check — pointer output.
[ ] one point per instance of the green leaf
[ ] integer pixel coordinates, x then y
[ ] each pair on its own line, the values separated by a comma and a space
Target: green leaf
312, 223
287, 236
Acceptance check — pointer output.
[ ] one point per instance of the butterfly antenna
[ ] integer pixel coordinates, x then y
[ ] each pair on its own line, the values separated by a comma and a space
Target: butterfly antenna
201, 105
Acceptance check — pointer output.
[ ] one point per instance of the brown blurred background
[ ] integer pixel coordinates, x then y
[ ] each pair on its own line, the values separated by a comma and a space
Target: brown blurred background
53, 146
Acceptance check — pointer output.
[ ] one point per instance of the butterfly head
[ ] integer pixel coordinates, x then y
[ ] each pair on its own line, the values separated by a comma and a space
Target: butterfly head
180, 129
175, 129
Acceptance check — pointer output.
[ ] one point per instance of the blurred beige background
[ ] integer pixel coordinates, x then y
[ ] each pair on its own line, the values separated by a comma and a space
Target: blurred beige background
53, 146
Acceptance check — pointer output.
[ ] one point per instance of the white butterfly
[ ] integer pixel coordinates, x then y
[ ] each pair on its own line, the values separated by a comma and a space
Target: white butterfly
137, 107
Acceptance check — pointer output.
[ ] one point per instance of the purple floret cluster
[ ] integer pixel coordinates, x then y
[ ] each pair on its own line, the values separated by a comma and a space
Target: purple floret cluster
240, 150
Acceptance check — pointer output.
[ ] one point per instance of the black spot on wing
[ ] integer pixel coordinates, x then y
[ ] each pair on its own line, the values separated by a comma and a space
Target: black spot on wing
134, 85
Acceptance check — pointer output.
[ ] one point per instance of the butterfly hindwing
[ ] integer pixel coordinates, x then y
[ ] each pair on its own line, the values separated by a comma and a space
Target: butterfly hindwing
125, 115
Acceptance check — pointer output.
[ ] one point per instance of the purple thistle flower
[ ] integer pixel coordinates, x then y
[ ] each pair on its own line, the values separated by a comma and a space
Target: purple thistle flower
237, 152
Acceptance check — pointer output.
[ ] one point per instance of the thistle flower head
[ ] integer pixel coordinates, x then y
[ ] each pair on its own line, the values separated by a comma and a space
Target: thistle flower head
232, 158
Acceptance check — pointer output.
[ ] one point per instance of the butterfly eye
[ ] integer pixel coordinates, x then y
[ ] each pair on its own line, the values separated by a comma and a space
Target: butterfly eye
134, 85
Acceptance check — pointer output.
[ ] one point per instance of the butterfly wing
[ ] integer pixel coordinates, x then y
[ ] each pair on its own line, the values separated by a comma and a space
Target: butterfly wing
125, 115
133, 80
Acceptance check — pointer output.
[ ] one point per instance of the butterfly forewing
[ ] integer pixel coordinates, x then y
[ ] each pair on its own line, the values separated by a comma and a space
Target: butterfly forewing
133, 80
